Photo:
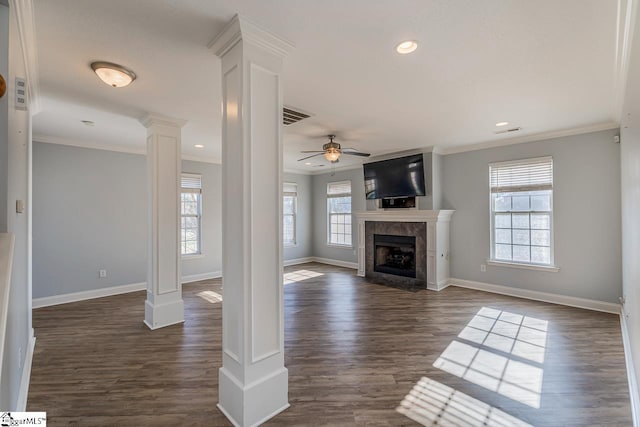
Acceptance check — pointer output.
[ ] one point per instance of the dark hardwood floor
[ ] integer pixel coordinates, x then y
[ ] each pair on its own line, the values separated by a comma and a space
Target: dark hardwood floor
357, 354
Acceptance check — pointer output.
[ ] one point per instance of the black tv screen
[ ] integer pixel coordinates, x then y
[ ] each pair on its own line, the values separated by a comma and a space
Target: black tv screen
399, 177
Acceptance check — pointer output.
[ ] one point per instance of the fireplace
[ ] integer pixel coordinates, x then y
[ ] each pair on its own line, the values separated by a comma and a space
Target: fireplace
395, 255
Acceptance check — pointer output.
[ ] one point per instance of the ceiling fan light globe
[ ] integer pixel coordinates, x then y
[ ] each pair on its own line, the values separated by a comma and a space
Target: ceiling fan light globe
332, 154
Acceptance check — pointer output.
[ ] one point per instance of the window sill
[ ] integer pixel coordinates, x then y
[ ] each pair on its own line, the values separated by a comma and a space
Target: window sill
336, 245
194, 256
547, 268
289, 245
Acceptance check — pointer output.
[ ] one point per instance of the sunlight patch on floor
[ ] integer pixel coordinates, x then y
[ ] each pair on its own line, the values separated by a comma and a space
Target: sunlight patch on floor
433, 403
484, 355
300, 275
210, 296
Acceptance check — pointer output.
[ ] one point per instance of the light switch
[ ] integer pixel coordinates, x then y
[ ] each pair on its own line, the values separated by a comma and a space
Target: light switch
19, 206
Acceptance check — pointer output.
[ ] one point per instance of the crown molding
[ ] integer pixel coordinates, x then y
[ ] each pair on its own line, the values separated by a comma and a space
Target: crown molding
47, 139
626, 20
153, 119
25, 20
529, 138
240, 28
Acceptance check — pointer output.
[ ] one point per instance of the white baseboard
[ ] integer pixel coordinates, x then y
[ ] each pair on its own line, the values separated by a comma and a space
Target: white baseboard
296, 261
589, 304
203, 276
440, 286
336, 262
110, 291
634, 393
85, 295
23, 394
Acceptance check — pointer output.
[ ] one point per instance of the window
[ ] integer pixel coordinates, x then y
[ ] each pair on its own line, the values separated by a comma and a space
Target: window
191, 211
522, 211
339, 208
289, 210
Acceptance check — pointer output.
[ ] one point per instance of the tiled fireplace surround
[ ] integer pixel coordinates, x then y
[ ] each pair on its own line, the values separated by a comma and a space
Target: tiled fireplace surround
431, 229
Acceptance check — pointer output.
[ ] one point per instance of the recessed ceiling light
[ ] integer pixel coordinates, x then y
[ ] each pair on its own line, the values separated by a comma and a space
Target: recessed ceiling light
199, 146
113, 74
407, 47
308, 164
502, 123
88, 123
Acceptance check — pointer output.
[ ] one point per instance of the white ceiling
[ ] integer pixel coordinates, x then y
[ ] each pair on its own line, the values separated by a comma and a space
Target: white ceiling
545, 65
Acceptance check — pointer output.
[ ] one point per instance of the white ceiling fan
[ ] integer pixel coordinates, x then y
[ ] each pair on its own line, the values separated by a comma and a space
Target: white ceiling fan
332, 151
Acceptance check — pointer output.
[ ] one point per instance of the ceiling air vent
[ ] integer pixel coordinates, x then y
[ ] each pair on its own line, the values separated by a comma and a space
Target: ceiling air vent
508, 130
291, 116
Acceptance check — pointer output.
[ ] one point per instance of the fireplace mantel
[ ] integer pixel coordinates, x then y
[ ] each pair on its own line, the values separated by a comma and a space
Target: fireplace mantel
437, 238
405, 216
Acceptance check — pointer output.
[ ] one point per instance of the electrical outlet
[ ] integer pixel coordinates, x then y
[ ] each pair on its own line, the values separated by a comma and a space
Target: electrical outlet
103, 274
483, 268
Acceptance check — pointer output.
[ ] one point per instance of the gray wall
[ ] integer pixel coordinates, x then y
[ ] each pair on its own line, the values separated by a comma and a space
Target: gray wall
358, 203
630, 188
304, 218
19, 329
90, 213
586, 216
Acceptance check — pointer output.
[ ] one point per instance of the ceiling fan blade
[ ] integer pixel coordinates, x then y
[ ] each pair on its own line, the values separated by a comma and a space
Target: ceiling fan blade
354, 152
316, 151
313, 155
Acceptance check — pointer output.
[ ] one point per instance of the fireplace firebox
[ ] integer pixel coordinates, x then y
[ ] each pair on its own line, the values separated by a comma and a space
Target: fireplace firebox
395, 255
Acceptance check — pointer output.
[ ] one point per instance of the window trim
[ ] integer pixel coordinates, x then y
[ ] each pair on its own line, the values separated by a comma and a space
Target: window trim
200, 253
332, 196
551, 267
295, 214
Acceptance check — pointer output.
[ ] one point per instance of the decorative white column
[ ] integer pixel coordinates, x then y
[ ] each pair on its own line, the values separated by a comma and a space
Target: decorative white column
253, 379
164, 304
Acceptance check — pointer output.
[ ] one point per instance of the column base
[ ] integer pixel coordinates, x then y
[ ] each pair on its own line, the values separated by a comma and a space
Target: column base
161, 315
255, 403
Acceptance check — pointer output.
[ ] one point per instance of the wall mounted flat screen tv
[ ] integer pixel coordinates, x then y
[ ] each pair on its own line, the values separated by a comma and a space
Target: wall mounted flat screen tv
401, 177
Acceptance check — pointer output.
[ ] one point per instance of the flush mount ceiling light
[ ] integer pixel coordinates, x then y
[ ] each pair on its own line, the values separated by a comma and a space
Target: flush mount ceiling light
199, 146
308, 164
407, 47
502, 123
113, 74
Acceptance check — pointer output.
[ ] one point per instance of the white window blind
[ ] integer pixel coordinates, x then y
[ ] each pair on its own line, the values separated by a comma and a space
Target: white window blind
191, 213
339, 188
339, 230
191, 183
289, 213
289, 189
522, 175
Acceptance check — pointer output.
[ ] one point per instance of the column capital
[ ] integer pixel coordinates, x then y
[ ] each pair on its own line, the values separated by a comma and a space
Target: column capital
239, 28
151, 119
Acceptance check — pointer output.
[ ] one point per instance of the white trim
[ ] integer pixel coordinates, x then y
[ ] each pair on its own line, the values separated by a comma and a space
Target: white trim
25, 20
46, 139
634, 393
625, 30
193, 256
547, 268
202, 276
23, 394
607, 307
530, 138
112, 290
86, 295
442, 284
336, 262
296, 261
